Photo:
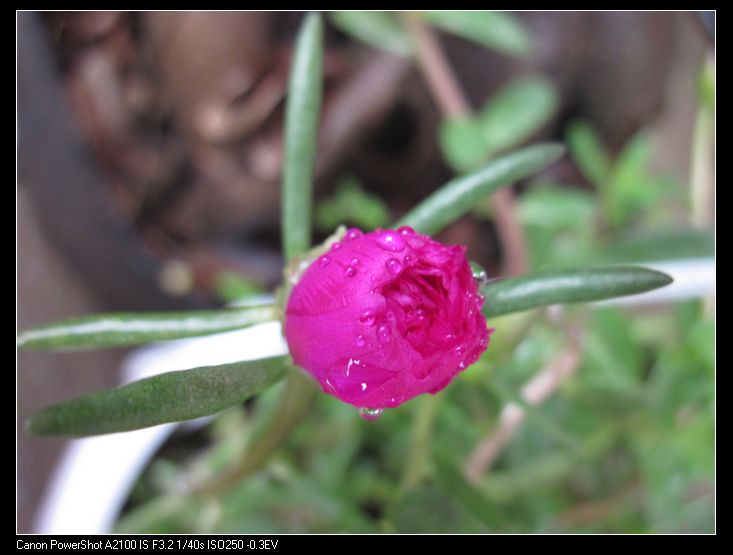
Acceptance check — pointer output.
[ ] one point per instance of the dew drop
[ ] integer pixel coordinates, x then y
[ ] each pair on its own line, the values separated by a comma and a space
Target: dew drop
391, 241
336, 246
420, 313
458, 351
370, 414
405, 230
323, 261
480, 300
349, 271
360, 341
352, 234
408, 260
384, 333
354, 262
449, 337
368, 318
393, 265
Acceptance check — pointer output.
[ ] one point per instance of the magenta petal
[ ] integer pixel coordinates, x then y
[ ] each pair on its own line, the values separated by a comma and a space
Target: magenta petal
386, 316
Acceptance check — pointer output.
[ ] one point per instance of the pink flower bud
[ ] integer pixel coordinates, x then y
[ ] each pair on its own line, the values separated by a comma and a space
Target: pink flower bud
385, 316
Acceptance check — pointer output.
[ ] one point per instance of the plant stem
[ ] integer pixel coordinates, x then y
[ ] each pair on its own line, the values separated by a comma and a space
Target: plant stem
453, 103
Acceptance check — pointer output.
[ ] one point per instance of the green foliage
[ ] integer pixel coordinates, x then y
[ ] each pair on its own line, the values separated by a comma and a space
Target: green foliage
627, 187
588, 152
232, 286
381, 30
302, 112
169, 397
127, 329
515, 113
627, 440
459, 195
499, 31
351, 204
568, 286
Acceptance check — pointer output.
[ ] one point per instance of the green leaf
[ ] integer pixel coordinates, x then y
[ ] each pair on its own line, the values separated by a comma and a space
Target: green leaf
169, 397
126, 329
468, 497
516, 112
462, 143
554, 207
667, 244
497, 30
568, 286
353, 205
378, 29
588, 152
301, 136
461, 194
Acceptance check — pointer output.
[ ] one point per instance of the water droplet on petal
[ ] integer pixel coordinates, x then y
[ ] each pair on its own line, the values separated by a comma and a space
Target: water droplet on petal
384, 333
368, 318
354, 262
352, 234
349, 271
449, 337
406, 230
393, 265
370, 414
480, 300
458, 351
408, 260
336, 246
420, 313
391, 241
323, 261
360, 341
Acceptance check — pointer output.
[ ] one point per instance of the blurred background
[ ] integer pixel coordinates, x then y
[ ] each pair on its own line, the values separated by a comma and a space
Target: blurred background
149, 159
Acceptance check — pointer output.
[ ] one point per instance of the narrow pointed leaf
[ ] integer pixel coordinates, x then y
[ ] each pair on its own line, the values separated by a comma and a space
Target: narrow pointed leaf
589, 153
568, 286
126, 329
169, 397
378, 29
461, 194
497, 30
301, 135
516, 112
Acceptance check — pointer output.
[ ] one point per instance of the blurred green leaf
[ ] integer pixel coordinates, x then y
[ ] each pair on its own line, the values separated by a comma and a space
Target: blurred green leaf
499, 31
669, 244
233, 286
516, 112
553, 207
630, 187
126, 329
706, 84
568, 286
351, 204
169, 397
428, 510
588, 152
302, 111
381, 30
459, 195
462, 143
468, 497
